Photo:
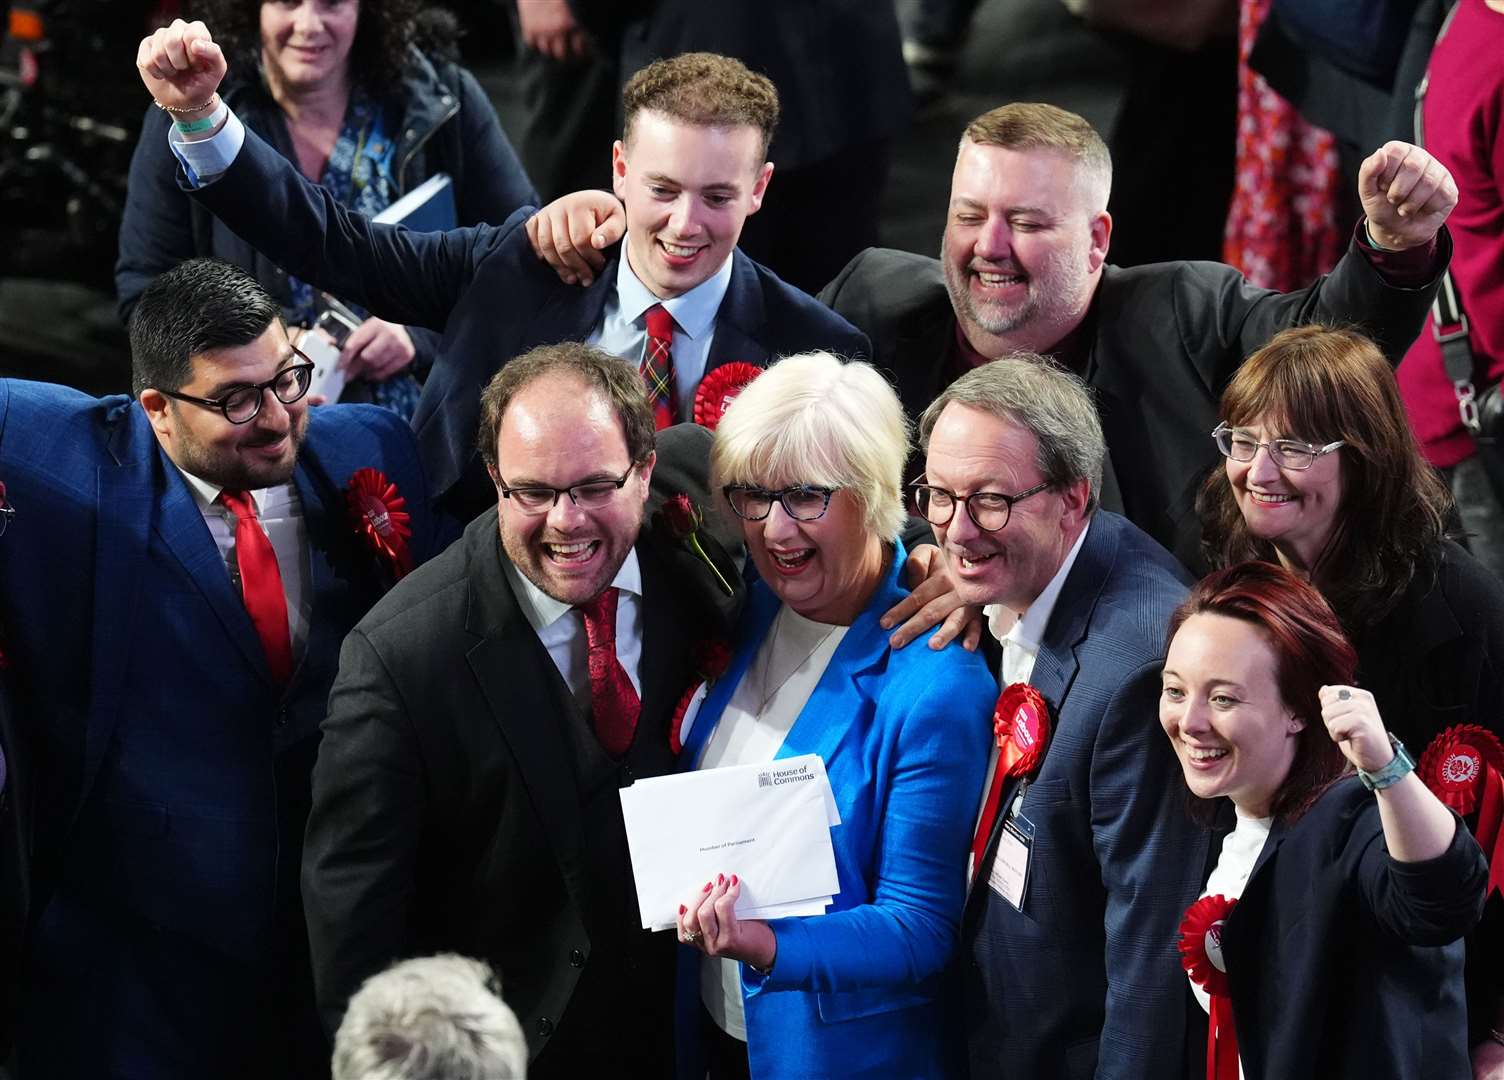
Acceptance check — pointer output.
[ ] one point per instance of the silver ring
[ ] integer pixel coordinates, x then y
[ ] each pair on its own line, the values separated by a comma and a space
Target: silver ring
693, 936
1344, 695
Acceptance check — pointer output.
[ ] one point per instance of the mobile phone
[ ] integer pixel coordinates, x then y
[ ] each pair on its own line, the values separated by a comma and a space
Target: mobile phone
328, 379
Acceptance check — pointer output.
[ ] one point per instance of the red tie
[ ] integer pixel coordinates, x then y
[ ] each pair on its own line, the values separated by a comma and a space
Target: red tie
261, 584
988, 818
658, 364
613, 700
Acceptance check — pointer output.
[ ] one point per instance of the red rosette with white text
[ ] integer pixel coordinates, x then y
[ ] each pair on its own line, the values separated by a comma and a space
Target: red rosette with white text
718, 389
377, 509
1202, 957
1464, 768
1021, 722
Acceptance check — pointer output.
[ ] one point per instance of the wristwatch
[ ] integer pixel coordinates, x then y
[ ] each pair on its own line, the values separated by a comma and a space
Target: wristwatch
1392, 773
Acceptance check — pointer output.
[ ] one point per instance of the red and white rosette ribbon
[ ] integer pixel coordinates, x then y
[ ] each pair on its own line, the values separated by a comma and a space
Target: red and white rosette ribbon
1201, 956
718, 389
377, 510
1021, 723
1464, 768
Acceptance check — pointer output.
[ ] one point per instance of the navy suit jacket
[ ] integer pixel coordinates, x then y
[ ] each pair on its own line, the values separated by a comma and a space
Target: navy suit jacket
487, 292
172, 773
1344, 963
1085, 980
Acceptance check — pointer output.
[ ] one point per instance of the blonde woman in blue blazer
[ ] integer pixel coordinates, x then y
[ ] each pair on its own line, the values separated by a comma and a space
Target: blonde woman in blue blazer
809, 459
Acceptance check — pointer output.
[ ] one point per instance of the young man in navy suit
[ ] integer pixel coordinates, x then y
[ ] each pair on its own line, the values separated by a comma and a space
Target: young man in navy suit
179, 573
691, 166
1084, 858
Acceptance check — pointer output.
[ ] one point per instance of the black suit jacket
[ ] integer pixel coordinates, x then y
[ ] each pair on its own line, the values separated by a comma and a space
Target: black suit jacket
488, 293
1166, 338
1344, 963
449, 789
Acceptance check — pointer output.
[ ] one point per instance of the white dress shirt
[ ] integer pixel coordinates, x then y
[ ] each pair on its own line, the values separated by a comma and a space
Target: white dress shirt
561, 627
623, 328
280, 514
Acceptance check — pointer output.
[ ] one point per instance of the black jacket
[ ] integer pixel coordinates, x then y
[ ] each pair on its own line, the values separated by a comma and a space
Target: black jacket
1345, 963
447, 125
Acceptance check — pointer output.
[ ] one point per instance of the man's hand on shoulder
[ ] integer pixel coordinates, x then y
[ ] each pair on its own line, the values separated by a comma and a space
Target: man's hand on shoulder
1406, 195
182, 68
571, 232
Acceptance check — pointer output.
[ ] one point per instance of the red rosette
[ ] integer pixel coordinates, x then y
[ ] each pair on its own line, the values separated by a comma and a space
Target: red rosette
712, 657
718, 389
1202, 957
1201, 943
1456, 765
376, 507
1021, 722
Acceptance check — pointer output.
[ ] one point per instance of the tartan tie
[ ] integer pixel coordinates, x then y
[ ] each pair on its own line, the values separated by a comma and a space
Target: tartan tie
614, 704
261, 584
658, 364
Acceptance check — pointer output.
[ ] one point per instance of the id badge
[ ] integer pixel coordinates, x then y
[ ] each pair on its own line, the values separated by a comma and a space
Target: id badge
1009, 876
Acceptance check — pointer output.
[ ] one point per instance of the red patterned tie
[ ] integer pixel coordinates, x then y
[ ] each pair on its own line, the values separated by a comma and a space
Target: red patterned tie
613, 700
261, 584
658, 364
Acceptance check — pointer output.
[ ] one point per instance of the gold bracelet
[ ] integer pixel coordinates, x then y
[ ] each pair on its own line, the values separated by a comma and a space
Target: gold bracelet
176, 109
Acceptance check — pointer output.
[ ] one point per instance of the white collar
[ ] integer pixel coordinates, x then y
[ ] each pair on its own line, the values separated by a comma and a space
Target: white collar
542, 610
206, 494
1027, 629
694, 312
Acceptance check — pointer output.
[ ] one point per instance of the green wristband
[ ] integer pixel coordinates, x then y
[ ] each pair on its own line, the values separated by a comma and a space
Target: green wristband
193, 127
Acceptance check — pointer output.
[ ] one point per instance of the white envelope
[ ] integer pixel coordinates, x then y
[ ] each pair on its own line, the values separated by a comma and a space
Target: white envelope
767, 823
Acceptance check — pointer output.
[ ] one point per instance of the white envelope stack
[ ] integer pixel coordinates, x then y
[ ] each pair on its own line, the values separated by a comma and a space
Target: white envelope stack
767, 823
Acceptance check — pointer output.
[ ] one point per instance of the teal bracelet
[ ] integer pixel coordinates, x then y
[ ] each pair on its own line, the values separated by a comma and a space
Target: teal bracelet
193, 127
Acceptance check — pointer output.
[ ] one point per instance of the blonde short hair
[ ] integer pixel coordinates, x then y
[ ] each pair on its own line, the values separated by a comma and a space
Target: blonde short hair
1030, 125
816, 419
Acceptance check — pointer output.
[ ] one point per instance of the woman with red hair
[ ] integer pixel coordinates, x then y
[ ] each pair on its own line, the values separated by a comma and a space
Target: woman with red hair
1329, 933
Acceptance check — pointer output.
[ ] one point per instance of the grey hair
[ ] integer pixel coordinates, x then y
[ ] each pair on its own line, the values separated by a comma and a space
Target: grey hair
1035, 393
430, 1018
813, 418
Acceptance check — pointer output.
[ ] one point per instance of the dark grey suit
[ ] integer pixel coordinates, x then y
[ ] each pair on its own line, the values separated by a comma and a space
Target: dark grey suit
1165, 340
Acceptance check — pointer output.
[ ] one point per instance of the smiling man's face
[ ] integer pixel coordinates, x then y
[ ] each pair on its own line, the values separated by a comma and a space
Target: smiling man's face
558, 432
687, 190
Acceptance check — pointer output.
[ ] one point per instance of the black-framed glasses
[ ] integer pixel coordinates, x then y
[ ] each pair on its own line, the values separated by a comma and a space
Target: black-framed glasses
587, 495
7, 511
989, 510
1240, 445
242, 404
802, 502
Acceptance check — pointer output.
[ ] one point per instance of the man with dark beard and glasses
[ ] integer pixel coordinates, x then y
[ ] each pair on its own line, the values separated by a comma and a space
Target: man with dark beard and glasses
180, 571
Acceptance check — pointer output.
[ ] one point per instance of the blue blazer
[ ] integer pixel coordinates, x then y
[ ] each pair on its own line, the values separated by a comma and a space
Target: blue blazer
904, 736
1085, 981
172, 773
487, 292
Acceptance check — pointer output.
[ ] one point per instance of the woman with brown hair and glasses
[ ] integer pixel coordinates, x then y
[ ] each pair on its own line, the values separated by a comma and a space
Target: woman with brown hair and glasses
1324, 476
